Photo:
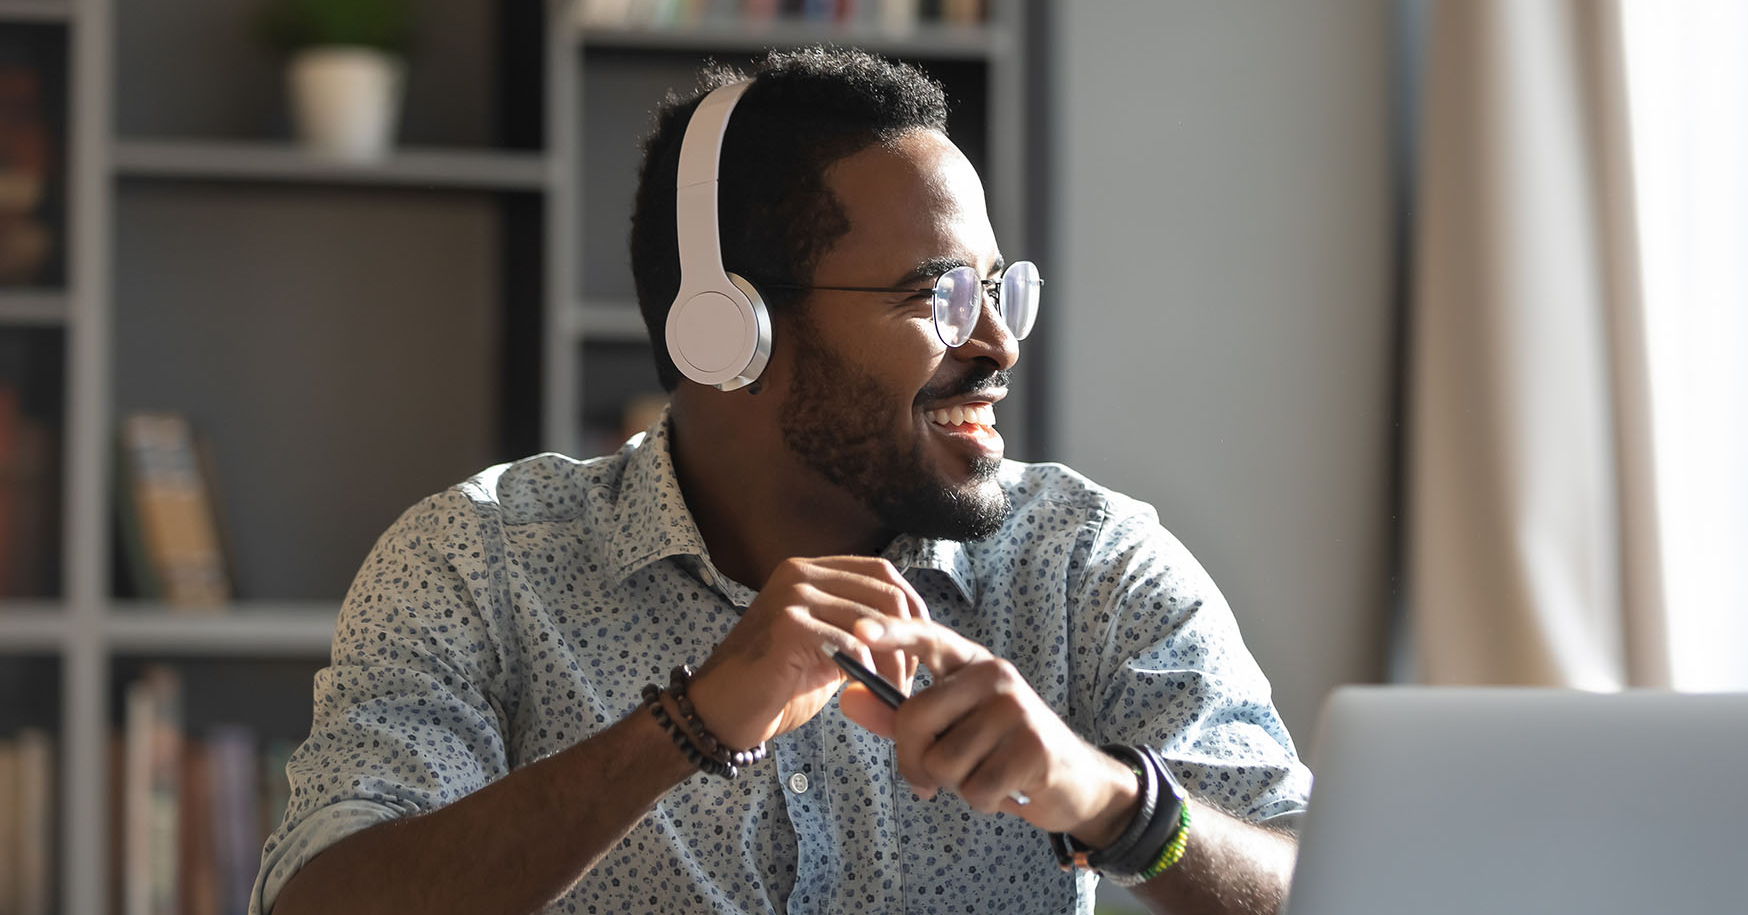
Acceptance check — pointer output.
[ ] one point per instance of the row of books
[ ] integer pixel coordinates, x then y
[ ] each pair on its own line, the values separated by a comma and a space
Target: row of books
27, 818
195, 811
892, 16
28, 162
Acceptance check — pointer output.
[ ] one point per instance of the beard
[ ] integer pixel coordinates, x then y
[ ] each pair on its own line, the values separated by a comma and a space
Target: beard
834, 417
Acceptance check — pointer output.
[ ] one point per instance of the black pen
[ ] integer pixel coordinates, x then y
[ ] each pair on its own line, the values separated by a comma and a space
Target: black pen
884, 691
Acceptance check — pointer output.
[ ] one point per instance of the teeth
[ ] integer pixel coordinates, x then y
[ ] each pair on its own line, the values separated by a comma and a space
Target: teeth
981, 414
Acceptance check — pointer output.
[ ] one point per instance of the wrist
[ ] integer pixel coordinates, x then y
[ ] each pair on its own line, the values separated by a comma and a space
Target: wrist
714, 707
1122, 801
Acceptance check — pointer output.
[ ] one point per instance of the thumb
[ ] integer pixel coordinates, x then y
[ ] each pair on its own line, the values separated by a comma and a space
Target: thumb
864, 708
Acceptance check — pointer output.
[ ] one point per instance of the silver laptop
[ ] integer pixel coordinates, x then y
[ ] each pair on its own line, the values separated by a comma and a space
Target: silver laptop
1439, 800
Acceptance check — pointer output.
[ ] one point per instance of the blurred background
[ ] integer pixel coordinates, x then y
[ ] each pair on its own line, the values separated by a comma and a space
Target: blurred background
1421, 324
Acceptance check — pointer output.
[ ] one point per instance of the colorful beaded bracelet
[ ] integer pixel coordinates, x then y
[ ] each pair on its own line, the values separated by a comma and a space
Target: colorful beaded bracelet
1174, 850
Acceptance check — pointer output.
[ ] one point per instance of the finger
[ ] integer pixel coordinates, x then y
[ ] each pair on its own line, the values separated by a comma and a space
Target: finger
873, 567
942, 649
844, 614
1014, 765
827, 622
930, 714
874, 583
860, 705
963, 747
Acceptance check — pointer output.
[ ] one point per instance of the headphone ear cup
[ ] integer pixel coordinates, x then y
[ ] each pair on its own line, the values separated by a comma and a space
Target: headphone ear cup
761, 354
720, 336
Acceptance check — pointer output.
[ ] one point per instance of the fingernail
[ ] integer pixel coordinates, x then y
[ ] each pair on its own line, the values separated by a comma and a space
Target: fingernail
869, 631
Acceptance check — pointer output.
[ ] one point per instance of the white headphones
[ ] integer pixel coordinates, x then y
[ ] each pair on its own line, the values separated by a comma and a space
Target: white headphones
719, 332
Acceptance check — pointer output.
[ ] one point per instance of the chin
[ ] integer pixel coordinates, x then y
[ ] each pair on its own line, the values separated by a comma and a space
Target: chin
970, 510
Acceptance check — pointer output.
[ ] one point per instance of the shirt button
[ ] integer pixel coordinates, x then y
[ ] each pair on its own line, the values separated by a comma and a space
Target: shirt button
798, 783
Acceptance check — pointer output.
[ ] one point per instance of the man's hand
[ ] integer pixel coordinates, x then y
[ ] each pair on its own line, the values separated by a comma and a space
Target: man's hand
769, 676
981, 731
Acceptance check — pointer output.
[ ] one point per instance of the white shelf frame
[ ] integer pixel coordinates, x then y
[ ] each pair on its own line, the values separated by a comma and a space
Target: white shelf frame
33, 308
255, 161
933, 41
51, 11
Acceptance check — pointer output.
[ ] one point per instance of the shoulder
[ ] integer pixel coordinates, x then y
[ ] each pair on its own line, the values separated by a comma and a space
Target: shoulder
1068, 497
537, 490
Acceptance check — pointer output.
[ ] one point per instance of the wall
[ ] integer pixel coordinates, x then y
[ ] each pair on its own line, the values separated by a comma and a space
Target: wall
1224, 345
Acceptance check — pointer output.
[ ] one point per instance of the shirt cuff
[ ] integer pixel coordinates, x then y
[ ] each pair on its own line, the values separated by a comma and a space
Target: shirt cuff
309, 838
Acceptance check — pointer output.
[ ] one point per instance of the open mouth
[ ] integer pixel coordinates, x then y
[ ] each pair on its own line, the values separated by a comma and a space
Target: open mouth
963, 415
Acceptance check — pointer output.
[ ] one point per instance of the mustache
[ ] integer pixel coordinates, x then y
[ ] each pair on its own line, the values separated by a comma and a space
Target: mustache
977, 381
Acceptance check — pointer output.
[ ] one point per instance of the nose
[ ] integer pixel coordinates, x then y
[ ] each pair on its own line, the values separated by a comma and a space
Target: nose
990, 339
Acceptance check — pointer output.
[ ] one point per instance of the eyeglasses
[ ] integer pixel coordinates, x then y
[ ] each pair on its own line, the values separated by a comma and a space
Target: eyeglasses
957, 299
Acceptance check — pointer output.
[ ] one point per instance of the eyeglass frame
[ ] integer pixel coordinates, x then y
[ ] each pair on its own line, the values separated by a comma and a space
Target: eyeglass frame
991, 290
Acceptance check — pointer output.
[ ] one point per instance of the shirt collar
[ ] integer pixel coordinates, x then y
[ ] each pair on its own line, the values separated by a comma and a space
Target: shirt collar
651, 523
949, 557
650, 520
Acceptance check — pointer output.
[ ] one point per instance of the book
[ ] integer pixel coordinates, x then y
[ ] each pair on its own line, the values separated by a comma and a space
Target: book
153, 776
26, 241
236, 813
35, 824
197, 857
10, 414
9, 851
276, 786
29, 515
172, 533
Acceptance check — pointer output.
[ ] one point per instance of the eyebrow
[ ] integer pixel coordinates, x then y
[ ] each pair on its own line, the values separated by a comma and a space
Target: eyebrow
935, 266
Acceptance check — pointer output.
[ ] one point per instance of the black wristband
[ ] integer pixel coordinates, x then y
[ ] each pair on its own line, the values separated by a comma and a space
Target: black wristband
1167, 813
1125, 848
1118, 854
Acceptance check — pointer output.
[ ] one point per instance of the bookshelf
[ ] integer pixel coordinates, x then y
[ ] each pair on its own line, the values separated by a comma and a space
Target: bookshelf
348, 337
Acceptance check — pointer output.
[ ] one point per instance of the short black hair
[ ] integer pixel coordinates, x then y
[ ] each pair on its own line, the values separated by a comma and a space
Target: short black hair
806, 110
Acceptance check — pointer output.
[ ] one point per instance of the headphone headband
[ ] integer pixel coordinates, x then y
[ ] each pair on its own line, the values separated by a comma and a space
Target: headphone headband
696, 189
718, 331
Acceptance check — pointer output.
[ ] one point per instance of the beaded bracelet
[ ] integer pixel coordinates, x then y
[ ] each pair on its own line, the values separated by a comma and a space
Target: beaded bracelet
679, 680
1174, 850
701, 747
652, 697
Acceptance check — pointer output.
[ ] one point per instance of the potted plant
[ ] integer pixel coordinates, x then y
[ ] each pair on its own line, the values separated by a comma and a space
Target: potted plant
344, 70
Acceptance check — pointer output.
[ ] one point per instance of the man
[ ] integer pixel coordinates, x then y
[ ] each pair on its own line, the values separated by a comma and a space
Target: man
479, 744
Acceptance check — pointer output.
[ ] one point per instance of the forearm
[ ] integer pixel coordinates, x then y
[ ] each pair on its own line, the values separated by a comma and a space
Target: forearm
1229, 866
511, 847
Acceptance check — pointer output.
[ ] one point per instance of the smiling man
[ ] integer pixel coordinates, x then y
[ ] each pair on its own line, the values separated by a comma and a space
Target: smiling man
512, 721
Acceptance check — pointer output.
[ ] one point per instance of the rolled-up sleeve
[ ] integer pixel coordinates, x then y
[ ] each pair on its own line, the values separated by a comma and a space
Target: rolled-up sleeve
1174, 673
407, 716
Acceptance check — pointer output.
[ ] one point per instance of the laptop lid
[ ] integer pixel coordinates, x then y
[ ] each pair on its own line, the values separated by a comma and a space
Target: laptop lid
1446, 800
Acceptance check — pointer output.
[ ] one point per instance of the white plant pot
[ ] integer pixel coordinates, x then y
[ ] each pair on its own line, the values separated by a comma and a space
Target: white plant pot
346, 101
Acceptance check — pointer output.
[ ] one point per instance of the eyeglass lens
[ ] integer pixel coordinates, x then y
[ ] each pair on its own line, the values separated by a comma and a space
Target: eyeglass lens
958, 301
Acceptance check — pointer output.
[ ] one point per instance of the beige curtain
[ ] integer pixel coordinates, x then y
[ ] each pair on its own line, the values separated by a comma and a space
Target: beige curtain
1532, 546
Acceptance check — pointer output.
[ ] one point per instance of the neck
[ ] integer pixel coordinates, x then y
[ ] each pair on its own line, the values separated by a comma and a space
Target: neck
755, 508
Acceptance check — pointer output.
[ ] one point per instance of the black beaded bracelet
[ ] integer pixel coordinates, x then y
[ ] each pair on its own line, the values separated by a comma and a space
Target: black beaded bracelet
679, 680
701, 747
652, 697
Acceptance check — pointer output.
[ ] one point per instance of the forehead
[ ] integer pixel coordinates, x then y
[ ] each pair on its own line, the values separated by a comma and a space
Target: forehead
912, 199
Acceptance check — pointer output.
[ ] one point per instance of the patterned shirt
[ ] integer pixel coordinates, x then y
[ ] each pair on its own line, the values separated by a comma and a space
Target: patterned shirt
518, 613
